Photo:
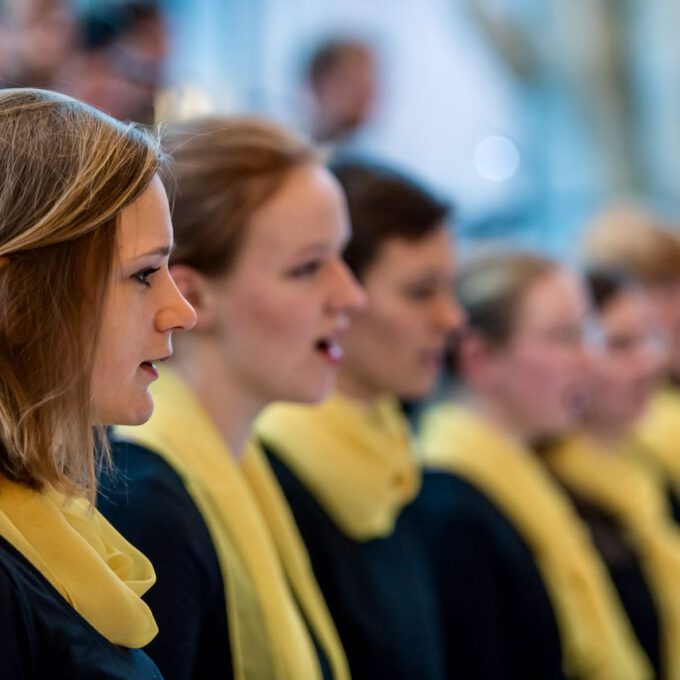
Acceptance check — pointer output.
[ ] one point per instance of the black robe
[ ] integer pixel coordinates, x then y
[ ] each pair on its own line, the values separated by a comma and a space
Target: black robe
146, 500
380, 593
626, 573
43, 637
498, 620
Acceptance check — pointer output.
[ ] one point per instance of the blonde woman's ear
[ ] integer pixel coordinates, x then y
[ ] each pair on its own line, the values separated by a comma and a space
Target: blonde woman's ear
4, 260
197, 291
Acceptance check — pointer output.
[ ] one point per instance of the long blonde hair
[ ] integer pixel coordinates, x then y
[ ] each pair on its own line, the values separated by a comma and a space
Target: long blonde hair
67, 172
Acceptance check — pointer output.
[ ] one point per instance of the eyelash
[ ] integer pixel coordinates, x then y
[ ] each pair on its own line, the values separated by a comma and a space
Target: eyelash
143, 275
307, 269
421, 294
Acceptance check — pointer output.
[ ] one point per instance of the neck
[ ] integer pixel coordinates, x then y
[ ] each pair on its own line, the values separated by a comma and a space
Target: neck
198, 362
495, 412
351, 386
608, 435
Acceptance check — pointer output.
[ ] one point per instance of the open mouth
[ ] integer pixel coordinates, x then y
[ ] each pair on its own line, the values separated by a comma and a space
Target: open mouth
330, 349
150, 368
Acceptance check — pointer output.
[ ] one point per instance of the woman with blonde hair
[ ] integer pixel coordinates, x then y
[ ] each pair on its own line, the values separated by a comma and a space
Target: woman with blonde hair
523, 590
348, 466
260, 226
86, 306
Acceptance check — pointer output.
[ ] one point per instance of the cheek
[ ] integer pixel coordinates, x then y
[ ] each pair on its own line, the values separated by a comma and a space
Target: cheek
540, 379
382, 336
282, 323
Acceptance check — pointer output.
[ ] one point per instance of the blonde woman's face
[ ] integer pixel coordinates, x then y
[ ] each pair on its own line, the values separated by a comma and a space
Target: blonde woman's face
142, 309
541, 374
283, 307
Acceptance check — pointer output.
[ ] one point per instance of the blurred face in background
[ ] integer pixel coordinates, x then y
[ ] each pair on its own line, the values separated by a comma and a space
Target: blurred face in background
396, 344
666, 300
124, 75
627, 366
537, 379
38, 36
345, 96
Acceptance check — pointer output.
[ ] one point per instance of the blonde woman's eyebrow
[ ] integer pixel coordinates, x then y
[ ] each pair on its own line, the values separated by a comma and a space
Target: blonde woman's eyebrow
162, 251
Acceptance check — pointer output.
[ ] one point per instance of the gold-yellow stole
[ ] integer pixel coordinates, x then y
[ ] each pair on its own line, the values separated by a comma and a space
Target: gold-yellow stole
625, 489
357, 460
93, 567
597, 640
256, 540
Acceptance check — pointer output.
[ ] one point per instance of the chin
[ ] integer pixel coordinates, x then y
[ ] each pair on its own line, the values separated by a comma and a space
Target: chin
136, 415
313, 393
416, 390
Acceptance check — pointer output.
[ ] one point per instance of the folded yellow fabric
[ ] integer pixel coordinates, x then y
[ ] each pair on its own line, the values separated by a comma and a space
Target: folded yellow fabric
357, 460
613, 481
597, 640
268, 636
93, 567
659, 433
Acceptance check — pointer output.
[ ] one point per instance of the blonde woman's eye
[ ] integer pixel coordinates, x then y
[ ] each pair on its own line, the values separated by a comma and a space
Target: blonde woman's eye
144, 275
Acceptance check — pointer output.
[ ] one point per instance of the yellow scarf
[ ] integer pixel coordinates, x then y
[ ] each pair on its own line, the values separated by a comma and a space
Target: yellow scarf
357, 461
622, 487
659, 432
91, 565
268, 636
597, 640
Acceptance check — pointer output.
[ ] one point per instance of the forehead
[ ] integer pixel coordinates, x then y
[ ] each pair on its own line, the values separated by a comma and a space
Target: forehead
559, 296
629, 307
307, 211
402, 257
145, 224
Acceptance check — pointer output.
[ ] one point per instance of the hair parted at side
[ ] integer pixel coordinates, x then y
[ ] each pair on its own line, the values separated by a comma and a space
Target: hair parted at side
67, 171
491, 289
384, 204
223, 170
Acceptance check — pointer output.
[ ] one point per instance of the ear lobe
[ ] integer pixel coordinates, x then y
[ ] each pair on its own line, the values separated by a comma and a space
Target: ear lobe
195, 288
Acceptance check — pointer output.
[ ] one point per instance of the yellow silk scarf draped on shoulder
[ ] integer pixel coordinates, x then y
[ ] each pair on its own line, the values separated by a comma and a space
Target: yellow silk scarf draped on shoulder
624, 488
268, 636
91, 565
659, 432
597, 640
356, 460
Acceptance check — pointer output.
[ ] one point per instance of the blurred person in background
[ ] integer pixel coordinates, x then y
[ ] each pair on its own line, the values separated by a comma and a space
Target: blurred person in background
622, 502
37, 35
260, 225
348, 466
637, 242
119, 61
342, 83
523, 591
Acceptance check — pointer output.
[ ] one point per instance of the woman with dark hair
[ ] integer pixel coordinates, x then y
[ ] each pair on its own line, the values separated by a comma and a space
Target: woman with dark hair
87, 305
600, 465
347, 466
523, 591
260, 225
640, 244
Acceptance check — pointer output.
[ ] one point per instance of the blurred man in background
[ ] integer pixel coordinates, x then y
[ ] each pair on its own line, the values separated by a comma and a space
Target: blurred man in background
342, 77
118, 65
36, 36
